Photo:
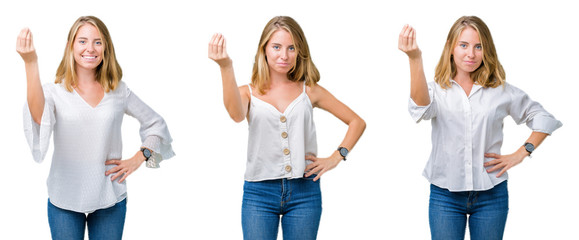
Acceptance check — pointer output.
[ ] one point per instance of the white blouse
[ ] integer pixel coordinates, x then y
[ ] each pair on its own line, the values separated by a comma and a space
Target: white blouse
278, 142
84, 138
464, 128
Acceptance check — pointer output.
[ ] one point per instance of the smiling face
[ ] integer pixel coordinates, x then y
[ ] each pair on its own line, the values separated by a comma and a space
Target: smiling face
468, 52
280, 52
88, 48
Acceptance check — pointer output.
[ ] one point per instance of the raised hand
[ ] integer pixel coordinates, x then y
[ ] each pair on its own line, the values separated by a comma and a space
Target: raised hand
25, 46
218, 50
407, 42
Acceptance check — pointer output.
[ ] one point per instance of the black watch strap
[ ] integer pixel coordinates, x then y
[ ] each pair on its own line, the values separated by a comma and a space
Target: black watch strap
529, 147
343, 152
147, 153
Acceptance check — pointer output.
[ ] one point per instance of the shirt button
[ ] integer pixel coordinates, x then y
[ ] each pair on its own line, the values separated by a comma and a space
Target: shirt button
282, 119
286, 151
284, 134
288, 168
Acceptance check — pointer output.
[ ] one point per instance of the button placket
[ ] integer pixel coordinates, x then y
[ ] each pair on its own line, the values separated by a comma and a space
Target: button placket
468, 144
287, 168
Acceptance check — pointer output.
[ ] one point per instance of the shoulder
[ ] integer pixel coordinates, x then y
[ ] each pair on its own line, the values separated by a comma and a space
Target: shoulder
245, 91
318, 94
122, 90
316, 89
244, 88
53, 88
122, 85
512, 90
433, 84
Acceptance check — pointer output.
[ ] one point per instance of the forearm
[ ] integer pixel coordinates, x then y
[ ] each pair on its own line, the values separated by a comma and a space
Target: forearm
355, 129
536, 139
418, 86
35, 95
231, 95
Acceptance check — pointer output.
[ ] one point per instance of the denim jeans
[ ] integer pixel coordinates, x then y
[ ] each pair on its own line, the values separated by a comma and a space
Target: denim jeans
486, 210
103, 224
297, 201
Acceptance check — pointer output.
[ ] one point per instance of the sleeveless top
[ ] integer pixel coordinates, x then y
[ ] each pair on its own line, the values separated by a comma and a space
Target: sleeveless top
278, 142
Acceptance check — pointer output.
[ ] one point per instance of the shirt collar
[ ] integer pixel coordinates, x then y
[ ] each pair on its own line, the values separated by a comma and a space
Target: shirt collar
475, 87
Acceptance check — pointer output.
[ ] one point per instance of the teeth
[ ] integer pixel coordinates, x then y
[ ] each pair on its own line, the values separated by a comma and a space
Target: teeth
87, 57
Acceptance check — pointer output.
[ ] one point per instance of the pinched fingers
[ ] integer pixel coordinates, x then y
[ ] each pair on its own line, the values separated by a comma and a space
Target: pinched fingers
218, 50
403, 37
25, 45
407, 41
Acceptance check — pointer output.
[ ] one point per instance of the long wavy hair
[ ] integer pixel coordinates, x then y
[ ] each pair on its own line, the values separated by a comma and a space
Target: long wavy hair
108, 72
304, 68
489, 74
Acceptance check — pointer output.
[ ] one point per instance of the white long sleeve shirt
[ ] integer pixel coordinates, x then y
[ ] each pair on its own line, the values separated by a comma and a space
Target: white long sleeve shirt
84, 138
464, 128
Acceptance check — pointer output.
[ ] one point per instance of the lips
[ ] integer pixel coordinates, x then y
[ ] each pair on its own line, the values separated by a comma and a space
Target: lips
89, 57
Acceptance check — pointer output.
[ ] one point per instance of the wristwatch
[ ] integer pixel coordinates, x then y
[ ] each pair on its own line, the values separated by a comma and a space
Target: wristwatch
146, 153
529, 147
343, 152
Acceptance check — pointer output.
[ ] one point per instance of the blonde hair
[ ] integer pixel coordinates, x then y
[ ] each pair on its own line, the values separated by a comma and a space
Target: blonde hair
304, 68
489, 74
108, 72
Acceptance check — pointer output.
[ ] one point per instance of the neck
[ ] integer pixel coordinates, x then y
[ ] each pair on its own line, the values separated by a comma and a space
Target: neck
463, 77
85, 76
278, 78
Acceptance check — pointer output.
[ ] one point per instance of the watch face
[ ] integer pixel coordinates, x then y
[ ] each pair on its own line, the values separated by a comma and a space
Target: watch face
529, 147
147, 153
343, 152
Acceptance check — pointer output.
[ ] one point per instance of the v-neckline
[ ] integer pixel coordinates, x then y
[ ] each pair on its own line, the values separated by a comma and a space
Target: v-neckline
289, 106
88, 104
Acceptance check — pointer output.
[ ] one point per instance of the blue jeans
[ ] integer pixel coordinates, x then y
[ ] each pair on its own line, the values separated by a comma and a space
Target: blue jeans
487, 209
103, 224
298, 201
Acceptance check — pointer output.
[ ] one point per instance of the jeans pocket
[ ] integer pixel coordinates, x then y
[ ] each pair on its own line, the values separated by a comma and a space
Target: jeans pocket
311, 177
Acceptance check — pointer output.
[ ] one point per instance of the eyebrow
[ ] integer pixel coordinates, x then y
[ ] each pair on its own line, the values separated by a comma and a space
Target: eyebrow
469, 42
274, 43
87, 38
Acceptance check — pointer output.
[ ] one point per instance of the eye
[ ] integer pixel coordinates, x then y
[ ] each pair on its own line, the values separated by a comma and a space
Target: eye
479, 47
292, 48
462, 45
98, 43
82, 41
276, 47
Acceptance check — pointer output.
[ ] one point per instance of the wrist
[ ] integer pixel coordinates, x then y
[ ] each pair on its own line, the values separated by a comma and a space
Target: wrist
145, 154
336, 157
415, 56
225, 63
31, 62
523, 153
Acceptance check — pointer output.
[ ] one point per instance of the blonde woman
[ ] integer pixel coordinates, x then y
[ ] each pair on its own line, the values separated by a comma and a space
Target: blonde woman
283, 170
466, 104
84, 109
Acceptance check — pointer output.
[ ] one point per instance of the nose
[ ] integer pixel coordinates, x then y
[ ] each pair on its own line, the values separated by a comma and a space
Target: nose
471, 52
89, 47
284, 54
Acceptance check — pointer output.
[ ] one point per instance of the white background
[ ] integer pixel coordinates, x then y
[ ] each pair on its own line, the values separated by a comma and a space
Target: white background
378, 193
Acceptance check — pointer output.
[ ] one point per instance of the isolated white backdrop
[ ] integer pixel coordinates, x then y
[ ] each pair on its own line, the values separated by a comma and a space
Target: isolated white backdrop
378, 193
